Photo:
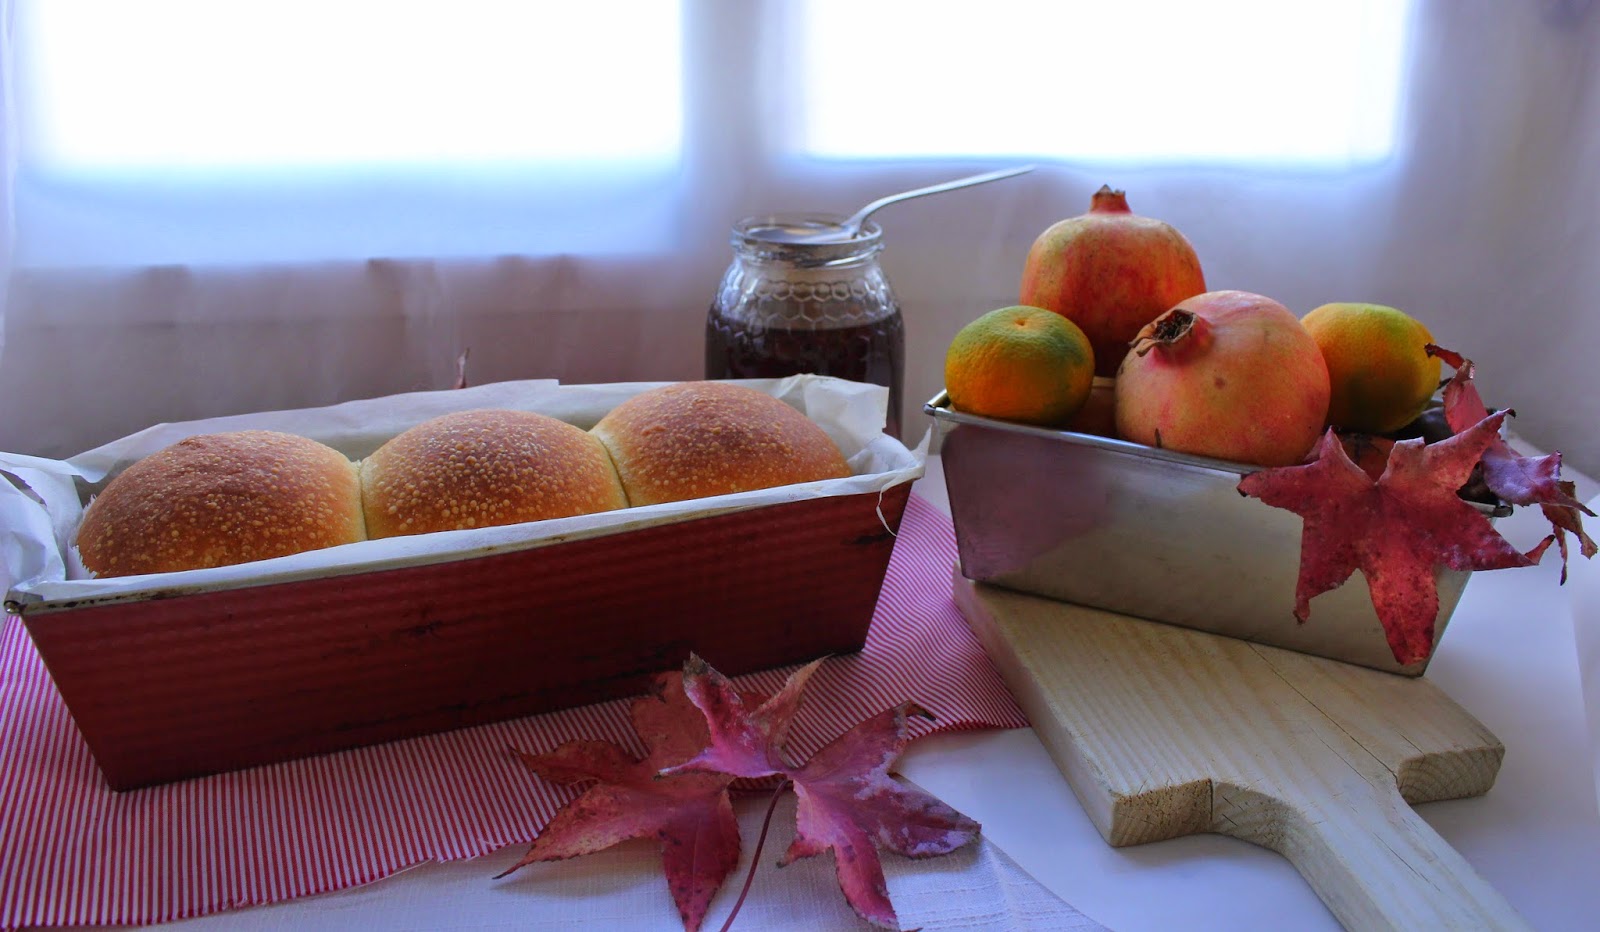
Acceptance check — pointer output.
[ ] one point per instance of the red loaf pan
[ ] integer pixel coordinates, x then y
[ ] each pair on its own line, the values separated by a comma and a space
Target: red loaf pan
168, 688
236, 670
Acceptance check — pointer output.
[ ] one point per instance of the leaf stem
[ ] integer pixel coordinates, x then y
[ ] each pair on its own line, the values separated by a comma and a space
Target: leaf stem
755, 856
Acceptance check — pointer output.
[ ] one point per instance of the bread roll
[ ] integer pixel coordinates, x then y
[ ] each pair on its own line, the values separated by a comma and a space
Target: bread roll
219, 499
482, 468
695, 439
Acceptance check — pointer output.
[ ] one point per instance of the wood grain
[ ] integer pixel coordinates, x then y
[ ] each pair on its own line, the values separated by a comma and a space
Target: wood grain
1165, 731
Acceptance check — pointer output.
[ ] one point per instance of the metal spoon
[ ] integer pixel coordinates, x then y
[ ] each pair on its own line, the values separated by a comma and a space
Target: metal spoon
851, 228
853, 225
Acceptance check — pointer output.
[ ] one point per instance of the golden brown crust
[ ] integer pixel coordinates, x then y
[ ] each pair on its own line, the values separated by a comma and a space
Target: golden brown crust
696, 439
220, 499
483, 468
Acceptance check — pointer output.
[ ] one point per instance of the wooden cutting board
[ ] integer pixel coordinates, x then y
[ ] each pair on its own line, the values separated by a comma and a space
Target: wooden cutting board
1164, 731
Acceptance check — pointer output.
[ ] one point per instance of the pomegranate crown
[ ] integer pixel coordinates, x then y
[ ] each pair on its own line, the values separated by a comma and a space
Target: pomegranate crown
1165, 330
1109, 200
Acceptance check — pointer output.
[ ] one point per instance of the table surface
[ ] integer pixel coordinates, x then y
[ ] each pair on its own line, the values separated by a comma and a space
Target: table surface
1509, 660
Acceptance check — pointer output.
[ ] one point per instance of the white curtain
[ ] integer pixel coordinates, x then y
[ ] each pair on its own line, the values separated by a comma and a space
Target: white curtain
1486, 224
8, 168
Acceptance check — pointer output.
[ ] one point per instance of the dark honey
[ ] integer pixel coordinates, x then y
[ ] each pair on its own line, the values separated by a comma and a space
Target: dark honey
873, 352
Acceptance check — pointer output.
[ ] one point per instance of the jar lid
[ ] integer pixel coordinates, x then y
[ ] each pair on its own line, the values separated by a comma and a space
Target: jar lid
807, 238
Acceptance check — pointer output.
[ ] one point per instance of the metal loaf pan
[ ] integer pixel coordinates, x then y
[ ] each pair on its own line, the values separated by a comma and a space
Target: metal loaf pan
1150, 533
180, 681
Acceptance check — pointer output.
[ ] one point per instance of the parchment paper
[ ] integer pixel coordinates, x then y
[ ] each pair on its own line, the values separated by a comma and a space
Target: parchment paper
43, 501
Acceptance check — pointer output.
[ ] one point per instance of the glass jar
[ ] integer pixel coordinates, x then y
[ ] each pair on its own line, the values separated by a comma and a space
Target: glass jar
804, 296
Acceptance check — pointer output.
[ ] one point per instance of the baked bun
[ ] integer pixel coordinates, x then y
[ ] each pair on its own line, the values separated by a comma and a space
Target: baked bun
219, 499
696, 439
483, 468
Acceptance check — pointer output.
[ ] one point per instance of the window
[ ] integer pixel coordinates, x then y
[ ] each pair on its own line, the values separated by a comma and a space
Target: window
1225, 81
192, 131
195, 84
197, 132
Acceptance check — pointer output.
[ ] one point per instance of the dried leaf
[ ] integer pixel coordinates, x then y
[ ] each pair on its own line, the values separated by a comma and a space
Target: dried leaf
1368, 451
848, 803
1565, 520
689, 813
744, 741
1395, 529
1514, 478
702, 733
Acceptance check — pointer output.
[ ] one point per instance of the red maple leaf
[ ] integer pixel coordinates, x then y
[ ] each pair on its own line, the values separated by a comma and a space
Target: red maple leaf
1368, 451
689, 813
1565, 519
850, 805
701, 733
848, 802
1517, 479
1395, 529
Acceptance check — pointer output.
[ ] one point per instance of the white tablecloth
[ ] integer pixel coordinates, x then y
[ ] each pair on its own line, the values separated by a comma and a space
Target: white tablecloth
1509, 659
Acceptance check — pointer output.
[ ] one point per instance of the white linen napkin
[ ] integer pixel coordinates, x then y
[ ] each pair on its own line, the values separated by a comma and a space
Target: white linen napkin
1583, 584
978, 887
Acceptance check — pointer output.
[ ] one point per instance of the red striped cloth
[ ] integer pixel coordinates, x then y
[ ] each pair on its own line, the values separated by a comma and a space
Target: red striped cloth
72, 851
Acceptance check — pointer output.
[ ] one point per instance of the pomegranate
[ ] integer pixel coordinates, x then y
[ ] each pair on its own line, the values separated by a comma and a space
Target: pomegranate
1110, 271
1226, 374
1099, 413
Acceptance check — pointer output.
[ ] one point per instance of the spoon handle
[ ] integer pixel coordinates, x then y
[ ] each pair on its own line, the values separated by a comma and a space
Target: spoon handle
860, 217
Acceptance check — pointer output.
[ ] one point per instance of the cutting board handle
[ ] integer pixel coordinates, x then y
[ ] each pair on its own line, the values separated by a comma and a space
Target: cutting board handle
1369, 856
1163, 731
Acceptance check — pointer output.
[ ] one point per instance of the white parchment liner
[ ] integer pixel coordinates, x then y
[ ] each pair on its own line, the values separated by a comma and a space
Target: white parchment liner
43, 501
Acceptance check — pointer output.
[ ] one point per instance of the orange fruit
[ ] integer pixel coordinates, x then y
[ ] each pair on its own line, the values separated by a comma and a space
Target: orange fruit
1020, 364
1379, 370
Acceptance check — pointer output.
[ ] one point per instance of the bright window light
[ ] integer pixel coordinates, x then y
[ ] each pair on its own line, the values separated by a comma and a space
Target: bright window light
1224, 81
339, 83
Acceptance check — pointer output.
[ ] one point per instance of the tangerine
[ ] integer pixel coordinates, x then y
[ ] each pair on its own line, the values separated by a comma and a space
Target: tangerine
1020, 363
1379, 370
